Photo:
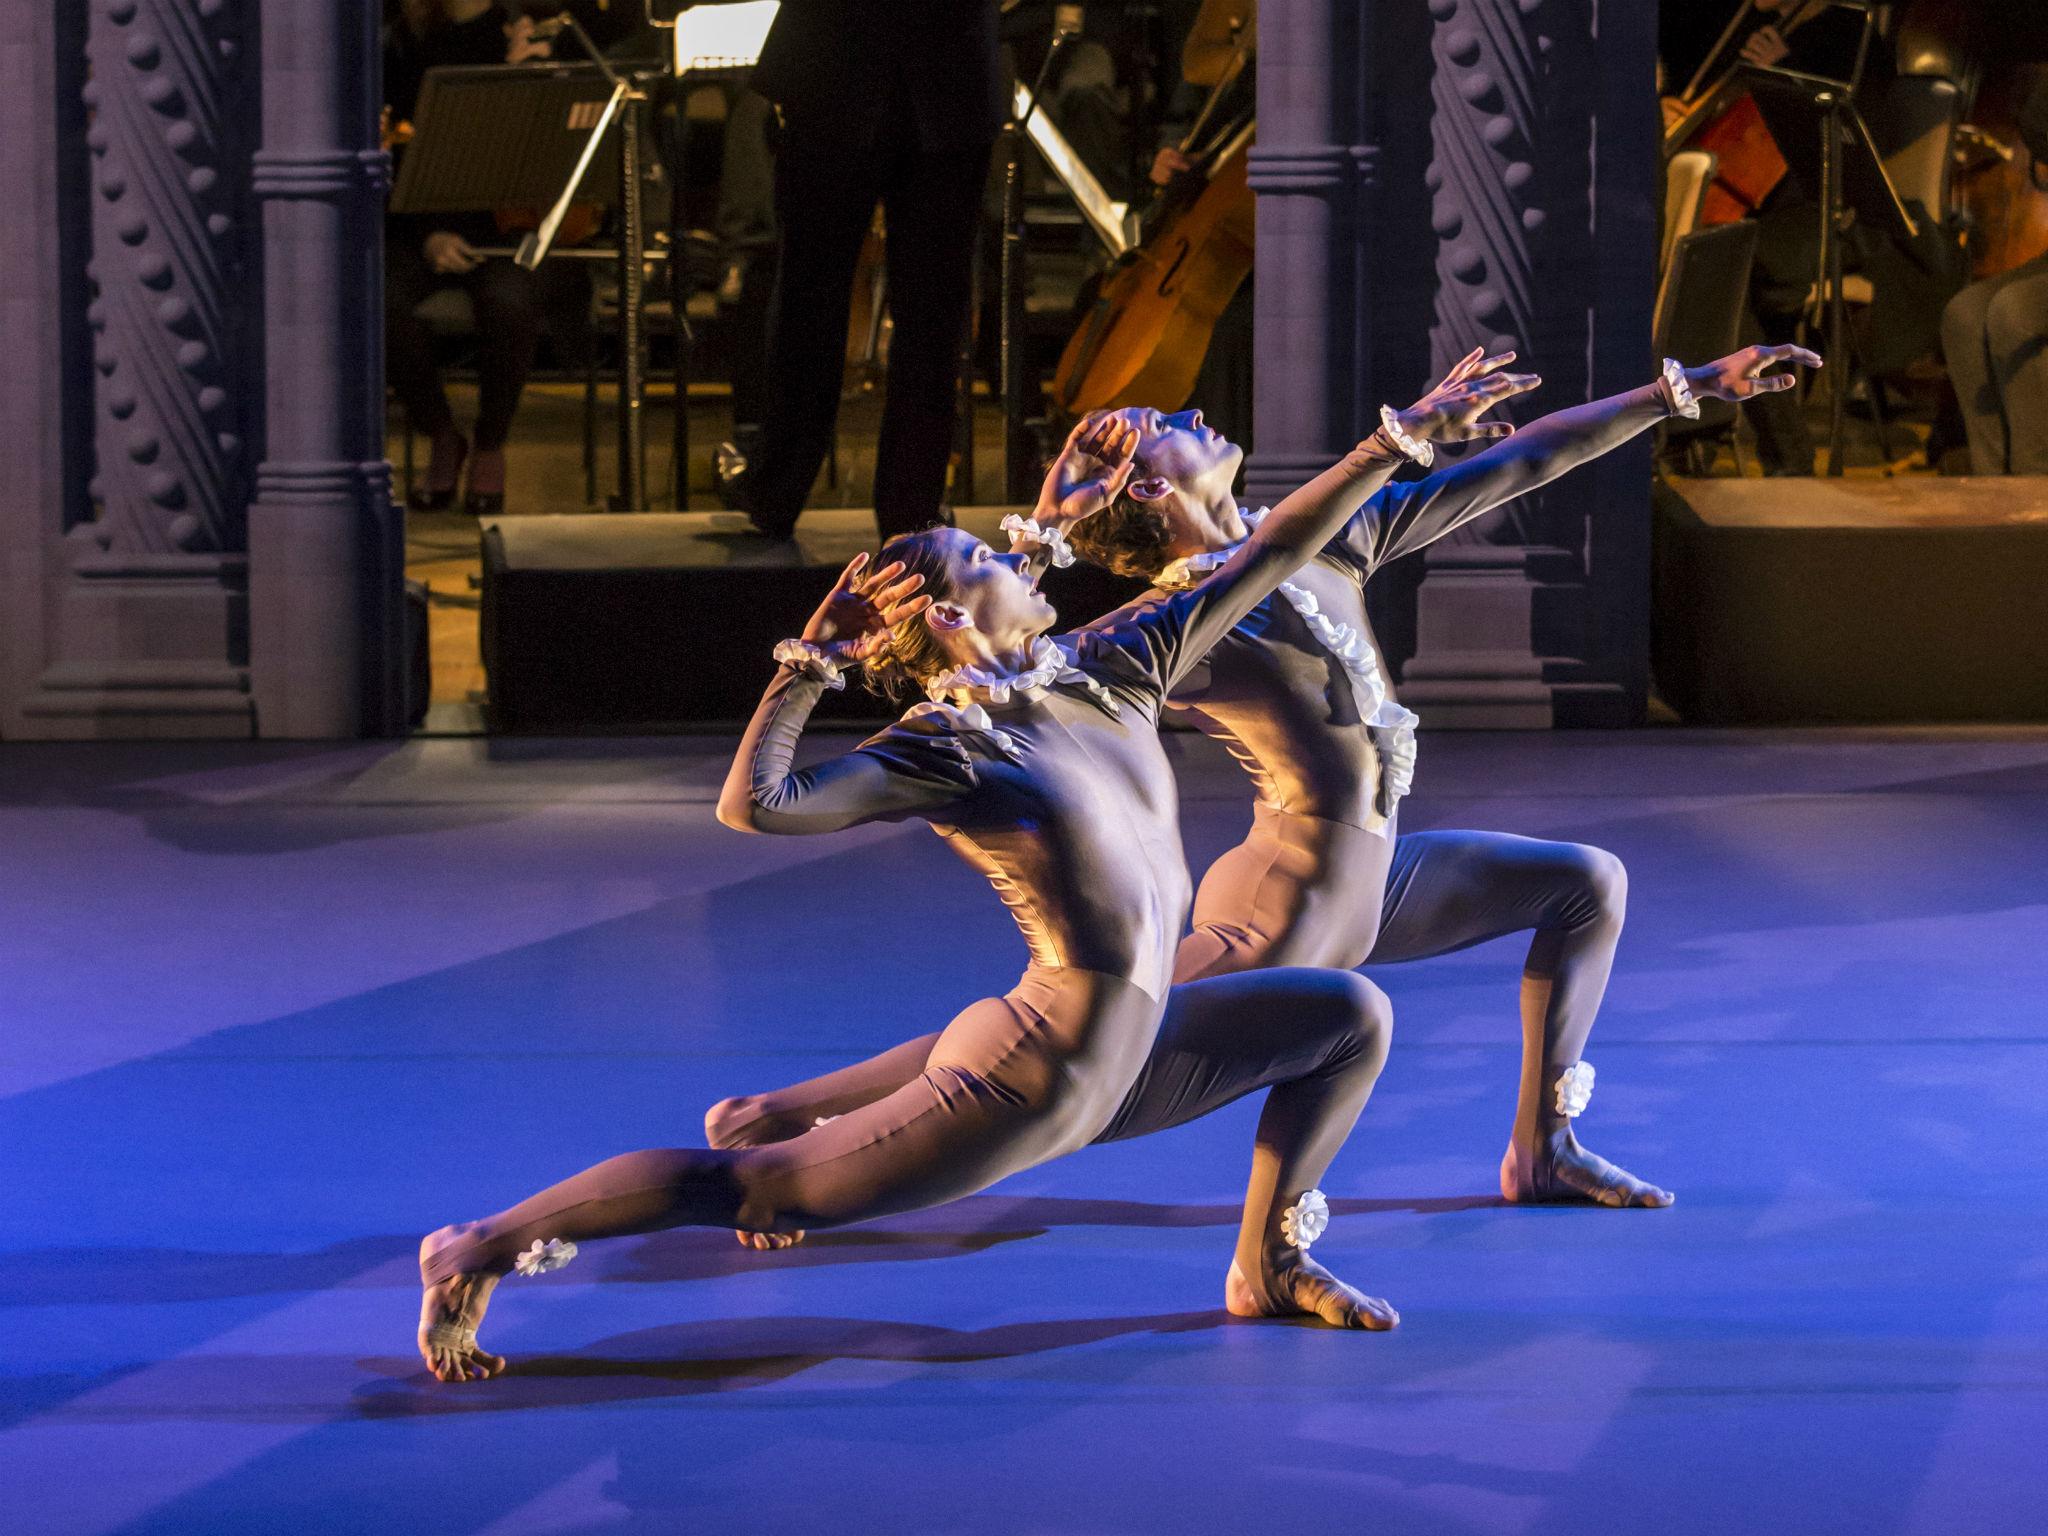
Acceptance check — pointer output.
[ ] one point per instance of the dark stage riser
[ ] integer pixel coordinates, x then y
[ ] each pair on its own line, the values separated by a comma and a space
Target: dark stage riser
1899, 601
660, 621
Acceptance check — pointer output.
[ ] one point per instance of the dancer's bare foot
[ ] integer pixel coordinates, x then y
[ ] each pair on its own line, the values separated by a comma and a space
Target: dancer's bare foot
450, 1312
1300, 1287
738, 1122
1560, 1171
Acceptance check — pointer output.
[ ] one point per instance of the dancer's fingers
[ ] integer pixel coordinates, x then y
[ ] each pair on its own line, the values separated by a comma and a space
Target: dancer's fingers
852, 572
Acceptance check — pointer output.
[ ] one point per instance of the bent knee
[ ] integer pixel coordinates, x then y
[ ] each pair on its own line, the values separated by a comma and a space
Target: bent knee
1367, 1014
1603, 878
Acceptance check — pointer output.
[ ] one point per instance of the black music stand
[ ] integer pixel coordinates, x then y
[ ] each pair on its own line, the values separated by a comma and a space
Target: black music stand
544, 136
1833, 159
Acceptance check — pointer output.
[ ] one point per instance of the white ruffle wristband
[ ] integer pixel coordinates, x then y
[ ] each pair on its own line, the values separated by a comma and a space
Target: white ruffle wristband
1574, 1089
1051, 538
812, 661
1305, 1220
1678, 393
1420, 452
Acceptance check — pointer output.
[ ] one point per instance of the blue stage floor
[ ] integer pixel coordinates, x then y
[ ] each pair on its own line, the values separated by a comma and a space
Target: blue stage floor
270, 1014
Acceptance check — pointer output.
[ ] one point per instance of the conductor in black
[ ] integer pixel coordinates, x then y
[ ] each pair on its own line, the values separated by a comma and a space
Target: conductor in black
898, 103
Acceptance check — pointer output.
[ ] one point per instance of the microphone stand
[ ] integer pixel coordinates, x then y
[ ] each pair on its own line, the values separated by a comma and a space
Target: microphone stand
624, 108
1019, 456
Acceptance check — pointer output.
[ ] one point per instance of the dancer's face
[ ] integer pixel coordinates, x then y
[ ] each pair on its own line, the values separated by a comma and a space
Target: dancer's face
995, 593
1189, 471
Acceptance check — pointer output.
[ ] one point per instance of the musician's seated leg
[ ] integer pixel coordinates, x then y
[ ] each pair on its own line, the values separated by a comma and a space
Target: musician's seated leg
508, 323
2016, 331
1966, 348
410, 367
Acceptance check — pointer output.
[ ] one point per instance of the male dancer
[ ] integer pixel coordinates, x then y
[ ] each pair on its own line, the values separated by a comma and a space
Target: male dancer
1296, 693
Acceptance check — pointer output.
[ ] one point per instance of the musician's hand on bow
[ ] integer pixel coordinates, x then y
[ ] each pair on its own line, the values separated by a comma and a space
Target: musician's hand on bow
1090, 470
862, 607
1742, 376
1168, 164
448, 253
1766, 46
1450, 413
521, 45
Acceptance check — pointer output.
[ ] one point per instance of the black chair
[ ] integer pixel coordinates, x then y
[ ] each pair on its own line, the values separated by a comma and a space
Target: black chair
1699, 318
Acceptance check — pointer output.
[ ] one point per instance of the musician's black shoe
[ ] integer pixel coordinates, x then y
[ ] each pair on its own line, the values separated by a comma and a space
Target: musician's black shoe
444, 475
484, 503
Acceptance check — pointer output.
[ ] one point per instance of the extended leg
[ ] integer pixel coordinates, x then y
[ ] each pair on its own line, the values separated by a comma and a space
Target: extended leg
1450, 890
992, 1101
1317, 1040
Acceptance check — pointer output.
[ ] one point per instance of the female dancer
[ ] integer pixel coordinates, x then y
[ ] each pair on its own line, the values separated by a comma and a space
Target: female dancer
1040, 761
1296, 693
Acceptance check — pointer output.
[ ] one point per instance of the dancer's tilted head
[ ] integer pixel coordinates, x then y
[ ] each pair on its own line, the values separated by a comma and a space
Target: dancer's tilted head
985, 605
1178, 500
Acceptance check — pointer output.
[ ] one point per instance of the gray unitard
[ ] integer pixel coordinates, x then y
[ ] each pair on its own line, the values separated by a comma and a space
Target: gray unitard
1323, 879
1068, 804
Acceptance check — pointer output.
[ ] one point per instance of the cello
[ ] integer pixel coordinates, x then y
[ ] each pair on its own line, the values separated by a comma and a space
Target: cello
1147, 330
1998, 190
1721, 116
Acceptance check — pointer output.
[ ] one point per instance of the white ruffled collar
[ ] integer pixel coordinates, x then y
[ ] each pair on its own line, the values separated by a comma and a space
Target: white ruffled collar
1189, 570
1392, 726
993, 685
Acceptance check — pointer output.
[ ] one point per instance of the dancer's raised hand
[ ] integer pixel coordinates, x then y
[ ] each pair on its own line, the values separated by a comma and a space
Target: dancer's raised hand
863, 607
1091, 468
1450, 413
1742, 376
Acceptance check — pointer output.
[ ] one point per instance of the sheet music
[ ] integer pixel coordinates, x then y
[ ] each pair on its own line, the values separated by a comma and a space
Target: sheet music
723, 36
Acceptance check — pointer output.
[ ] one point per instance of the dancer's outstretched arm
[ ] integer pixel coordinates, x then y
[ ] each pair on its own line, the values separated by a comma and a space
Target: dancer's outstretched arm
1404, 517
909, 769
1175, 634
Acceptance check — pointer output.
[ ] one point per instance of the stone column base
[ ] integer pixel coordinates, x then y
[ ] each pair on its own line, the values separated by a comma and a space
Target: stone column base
1497, 628
147, 646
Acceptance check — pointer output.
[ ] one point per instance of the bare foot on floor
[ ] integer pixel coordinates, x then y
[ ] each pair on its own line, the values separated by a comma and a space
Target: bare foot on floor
768, 1242
450, 1313
1560, 1171
1303, 1288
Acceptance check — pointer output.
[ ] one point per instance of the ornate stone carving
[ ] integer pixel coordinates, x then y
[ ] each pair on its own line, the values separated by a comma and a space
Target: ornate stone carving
168, 284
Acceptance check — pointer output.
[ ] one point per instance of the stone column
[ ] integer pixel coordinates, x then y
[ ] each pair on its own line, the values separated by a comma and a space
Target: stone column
1313, 179
45, 394
326, 543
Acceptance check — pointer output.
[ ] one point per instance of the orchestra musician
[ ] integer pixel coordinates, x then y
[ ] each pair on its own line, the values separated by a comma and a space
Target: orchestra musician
1995, 338
898, 103
1828, 40
1217, 32
427, 252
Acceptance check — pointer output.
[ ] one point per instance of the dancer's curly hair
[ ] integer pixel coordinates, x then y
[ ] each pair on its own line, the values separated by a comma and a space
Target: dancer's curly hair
911, 655
1128, 536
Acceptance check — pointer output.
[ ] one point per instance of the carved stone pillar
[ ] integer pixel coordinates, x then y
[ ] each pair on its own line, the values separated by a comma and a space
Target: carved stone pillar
146, 627
326, 543
1538, 237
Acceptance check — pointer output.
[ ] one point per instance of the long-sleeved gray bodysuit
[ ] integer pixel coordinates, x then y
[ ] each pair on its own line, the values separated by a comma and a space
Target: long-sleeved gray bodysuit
1067, 802
1324, 879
